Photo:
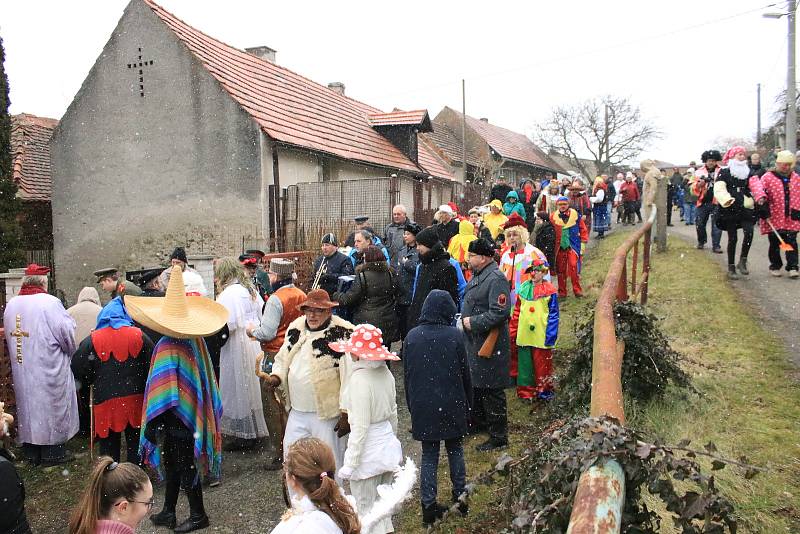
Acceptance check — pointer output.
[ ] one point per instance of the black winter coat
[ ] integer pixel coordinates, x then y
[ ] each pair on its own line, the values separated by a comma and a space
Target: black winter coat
408, 259
739, 190
335, 266
436, 373
446, 231
373, 299
12, 498
486, 303
500, 192
546, 242
530, 207
435, 272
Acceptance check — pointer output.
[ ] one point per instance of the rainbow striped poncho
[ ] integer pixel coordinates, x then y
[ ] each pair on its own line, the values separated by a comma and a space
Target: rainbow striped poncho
181, 379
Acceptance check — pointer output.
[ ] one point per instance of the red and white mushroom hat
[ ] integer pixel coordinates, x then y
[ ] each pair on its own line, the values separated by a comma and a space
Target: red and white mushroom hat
366, 342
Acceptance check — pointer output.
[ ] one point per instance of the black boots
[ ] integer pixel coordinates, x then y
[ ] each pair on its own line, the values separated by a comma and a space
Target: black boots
166, 517
492, 444
742, 266
732, 273
430, 514
197, 512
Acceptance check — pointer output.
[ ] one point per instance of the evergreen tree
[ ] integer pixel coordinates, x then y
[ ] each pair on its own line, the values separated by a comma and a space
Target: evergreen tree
11, 253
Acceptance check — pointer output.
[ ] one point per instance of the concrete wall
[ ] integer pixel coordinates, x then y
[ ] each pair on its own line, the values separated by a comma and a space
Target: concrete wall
135, 176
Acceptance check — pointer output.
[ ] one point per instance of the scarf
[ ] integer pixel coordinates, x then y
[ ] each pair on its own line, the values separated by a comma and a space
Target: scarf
114, 315
181, 379
28, 289
528, 190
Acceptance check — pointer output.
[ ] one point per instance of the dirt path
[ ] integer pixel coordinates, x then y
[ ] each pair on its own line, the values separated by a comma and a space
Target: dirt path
775, 300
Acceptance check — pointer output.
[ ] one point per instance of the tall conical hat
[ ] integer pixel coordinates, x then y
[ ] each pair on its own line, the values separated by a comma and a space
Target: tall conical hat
175, 314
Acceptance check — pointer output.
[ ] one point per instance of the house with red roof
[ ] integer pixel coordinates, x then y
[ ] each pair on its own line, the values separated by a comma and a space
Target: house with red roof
31, 172
491, 150
176, 138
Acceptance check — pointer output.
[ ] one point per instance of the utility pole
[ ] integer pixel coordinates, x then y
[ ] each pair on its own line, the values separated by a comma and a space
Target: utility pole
606, 143
464, 129
791, 88
758, 117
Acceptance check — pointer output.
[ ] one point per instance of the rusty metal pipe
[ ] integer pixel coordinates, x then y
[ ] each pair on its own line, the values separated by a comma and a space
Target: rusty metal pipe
601, 489
599, 500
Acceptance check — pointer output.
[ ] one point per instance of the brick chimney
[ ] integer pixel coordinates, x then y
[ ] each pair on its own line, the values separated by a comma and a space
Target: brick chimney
264, 52
337, 87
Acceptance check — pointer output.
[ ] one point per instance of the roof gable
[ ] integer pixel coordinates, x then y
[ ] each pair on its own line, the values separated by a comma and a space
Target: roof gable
30, 149
293, 109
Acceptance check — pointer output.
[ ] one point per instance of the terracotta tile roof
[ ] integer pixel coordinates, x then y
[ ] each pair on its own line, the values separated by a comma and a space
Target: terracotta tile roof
396, 118
293, 109
30, 149
511, 145
448, 144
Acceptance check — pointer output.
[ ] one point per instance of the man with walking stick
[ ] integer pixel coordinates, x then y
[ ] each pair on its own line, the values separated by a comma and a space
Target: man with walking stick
485, 322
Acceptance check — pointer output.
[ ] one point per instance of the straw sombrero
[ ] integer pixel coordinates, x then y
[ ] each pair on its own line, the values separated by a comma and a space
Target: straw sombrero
175, 314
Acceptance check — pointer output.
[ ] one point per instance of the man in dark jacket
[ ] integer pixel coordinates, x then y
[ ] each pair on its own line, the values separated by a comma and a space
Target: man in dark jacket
545, 237
500, 190
439, 396
434, 272
485, 317
528, 195
393, 236
336, 264
447, 227
408, 260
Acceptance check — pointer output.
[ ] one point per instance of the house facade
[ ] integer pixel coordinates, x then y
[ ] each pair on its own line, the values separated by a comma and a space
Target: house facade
176, 138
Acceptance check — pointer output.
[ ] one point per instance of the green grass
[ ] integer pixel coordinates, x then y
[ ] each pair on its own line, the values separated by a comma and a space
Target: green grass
748, 403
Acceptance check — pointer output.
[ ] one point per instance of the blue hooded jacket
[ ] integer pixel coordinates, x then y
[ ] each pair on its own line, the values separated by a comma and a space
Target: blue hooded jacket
436, 372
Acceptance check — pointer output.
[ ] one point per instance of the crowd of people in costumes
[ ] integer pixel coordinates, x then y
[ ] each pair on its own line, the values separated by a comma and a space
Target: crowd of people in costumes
470, 303
734, 192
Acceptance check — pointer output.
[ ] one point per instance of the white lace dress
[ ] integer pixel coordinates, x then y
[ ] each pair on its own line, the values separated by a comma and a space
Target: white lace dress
242, 412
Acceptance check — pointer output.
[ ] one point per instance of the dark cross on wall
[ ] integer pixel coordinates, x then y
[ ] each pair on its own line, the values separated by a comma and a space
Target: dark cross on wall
139, 65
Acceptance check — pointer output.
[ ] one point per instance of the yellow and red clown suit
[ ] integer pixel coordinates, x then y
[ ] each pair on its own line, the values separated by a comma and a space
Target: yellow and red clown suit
571, 235
536, 318
518, 255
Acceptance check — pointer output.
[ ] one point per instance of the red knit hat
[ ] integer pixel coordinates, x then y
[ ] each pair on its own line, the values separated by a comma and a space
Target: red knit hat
36, 270
366, 342
514, 220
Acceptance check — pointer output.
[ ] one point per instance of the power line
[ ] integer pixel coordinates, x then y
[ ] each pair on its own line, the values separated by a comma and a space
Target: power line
587, 52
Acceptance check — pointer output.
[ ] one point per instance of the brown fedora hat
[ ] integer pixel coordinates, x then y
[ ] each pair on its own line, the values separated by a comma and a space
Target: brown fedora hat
317, 298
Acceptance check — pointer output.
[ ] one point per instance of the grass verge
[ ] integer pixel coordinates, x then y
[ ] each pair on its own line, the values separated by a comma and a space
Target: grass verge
748, 404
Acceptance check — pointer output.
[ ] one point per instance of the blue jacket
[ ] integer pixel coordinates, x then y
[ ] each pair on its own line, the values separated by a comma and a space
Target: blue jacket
436, 372
375, 241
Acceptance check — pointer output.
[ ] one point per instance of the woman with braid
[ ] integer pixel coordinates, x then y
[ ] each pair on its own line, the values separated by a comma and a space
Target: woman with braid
322, 507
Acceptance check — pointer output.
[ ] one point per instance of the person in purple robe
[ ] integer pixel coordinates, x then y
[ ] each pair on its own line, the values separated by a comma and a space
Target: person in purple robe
39, 336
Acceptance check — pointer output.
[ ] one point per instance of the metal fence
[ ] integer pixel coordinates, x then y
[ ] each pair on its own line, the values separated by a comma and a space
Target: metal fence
313, 208
601, 489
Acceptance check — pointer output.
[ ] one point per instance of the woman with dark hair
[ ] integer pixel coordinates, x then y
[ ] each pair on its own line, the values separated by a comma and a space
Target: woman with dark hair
322, 508
118, 497
373, 295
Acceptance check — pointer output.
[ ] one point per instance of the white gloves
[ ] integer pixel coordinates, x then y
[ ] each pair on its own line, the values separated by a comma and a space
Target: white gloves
346, 472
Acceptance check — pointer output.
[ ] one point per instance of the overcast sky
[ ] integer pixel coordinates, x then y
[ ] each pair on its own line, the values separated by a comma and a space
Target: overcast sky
692, 66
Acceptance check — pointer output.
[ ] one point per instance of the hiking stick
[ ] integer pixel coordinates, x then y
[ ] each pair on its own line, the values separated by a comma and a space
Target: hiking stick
91, 423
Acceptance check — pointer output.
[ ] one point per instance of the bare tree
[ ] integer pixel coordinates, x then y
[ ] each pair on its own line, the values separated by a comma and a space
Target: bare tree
609, 130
